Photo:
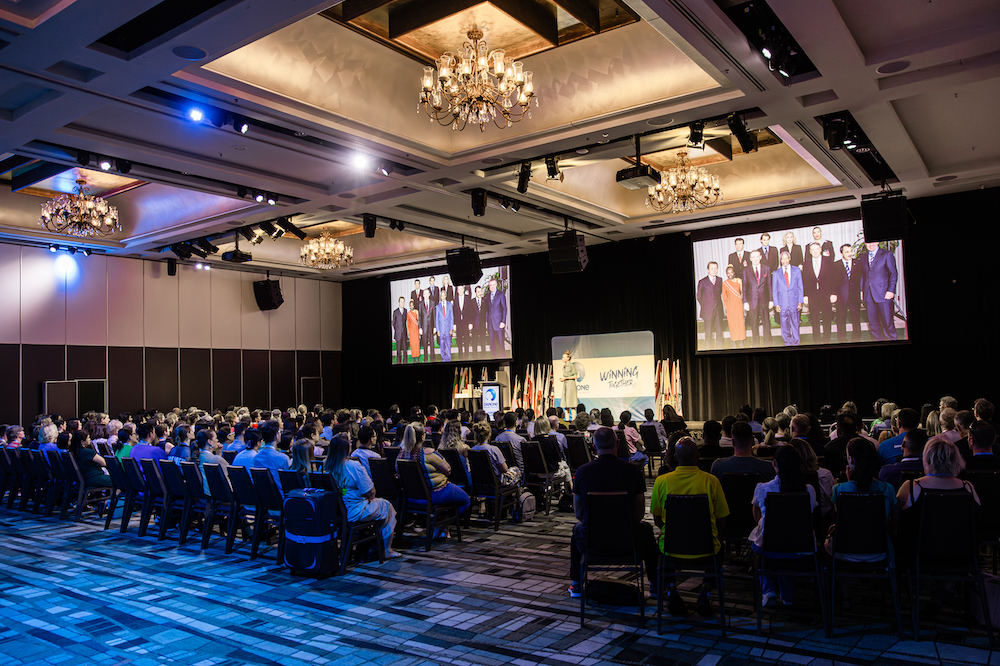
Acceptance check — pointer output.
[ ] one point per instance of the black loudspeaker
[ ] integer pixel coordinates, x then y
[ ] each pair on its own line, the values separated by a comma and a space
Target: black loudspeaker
268, 294
884, 217
567, 252
479, 202
464, 266
171, 267
368, 220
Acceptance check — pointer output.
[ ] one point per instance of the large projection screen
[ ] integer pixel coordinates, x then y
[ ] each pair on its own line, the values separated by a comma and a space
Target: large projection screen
833, 288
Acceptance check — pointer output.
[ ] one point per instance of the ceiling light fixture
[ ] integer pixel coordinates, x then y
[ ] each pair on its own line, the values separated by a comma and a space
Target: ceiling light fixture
207, 246
361, 162
286, 225
684, 188
515, 205
195, 114
392, 224
53, 248
105, 164
181, 250
258, 196
326, 252
524, 177
123, 166
240, 124
83, 158
696, 138
385, 168
79, 214
399, 225
270, 229
196, 251
272, 199
552, 168
746, 138
86, 251
476, 86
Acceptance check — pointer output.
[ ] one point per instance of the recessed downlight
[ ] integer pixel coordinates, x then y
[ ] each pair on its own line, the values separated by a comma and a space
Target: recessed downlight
893, 67
189, 53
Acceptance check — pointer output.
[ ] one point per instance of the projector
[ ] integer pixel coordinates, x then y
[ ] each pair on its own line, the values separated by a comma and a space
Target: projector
638, 177
237, 256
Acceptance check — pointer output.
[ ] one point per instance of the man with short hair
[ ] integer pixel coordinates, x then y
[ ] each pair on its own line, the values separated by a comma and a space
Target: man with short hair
946, 402
399, 330
147, 448
711, 436
608, 474
757, 298
912, 459
787, 293
709, 297
434, 291
561, 438
982, 436
268, 456
238, 444
688, 479
743, 460
983, 409
661, 434
496, 319
727, 431
835, 459
849, 299
891, 450
509, 435
364, 452
963, 424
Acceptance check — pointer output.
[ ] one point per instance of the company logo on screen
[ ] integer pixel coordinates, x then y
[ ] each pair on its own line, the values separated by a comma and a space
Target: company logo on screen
491, 395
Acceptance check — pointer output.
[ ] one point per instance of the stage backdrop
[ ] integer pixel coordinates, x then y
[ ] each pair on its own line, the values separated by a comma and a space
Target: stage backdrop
615, 370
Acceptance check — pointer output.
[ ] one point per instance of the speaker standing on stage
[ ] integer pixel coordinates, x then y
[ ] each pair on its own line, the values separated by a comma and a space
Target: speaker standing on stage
569, 377
399, 330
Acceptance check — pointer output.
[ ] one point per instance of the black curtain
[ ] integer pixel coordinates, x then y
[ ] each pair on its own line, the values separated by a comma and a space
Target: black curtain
647, 284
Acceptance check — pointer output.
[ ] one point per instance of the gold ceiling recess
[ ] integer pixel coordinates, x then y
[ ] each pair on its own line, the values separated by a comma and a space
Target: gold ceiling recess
426, 29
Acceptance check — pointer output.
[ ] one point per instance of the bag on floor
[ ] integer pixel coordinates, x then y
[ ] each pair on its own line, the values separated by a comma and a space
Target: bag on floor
524, 510
307, 528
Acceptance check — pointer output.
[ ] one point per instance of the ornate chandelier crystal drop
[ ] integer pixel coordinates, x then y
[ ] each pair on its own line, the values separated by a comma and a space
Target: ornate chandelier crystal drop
326, 252
79, 214
684, 188
476, 86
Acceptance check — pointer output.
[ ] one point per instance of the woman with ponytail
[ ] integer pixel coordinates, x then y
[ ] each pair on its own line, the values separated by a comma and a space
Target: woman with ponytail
91, 463
206, 443
181, 450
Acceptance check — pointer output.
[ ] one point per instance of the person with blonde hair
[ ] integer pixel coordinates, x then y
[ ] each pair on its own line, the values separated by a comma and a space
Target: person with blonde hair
933, 423
568, 378
790, 243
810, 463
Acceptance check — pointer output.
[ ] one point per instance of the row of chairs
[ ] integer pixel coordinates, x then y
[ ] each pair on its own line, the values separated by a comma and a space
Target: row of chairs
46, 482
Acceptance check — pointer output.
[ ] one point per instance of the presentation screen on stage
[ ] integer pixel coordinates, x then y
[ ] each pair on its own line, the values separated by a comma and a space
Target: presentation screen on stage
434, 321
797, 287
613, 370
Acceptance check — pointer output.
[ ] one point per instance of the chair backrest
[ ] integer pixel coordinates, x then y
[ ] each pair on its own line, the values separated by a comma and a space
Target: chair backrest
195, 483
454, 460
534, 461
413, 481
391, 453
290, 480
436, 439
987, 485
243, 488
19, 460
947, 526
229, 456
910, 475
321, 480
118, 478
609, 524
484, 477
132, 471
687, 525
507, 449
71, 467
738, 488
154, 480
6, 466
861, 523
104, 449
623, 451
788, 524
268, 494
38, 463
384, 477
650, 439
577, 453
217, 483
55, 465
173, 477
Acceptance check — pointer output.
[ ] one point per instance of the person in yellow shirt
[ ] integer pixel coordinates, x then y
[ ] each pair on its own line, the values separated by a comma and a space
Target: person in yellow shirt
688, 479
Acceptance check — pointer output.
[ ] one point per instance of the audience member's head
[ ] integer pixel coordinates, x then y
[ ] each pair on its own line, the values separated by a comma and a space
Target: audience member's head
624, 419
982, 436
413, 437
581, 421
743, 439
947, 402
336, 457
605, 441
758, 415
862, 463
686, 452
649, 414
711, 432
302, 455
509, 420
451, 437
48, 433
847, 424
481, 433
800, 426
810, 463
770, 424
946, 419
788, 465
269, 431
849, 406
365, 436
941, 458
914, 442
784, 423
908, 419
790, 411
727, 426
983, 409
542, 426
607, 419
252, 439
79, 440
963, 420
670, 414
932, 424
887, 409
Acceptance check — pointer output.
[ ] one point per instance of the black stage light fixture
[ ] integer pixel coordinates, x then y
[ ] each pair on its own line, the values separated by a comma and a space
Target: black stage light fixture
206, 245
399, 225
71, 250
82, 158
368, 221
196, 251
270, 229
504, 204
258, 238
524, 177
385, 168
171, 267
247, 232
479, 202
272, 198
392, 224
835, 132
552, 167
53, 248
515, 205
286, 224
86, 251
696, 138
240, 124
181, 250
258, 196
123, 166
105, 164
746, 138
241, 191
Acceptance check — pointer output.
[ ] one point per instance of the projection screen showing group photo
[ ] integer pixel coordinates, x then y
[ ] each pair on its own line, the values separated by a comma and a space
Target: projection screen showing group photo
434, 321
798, 287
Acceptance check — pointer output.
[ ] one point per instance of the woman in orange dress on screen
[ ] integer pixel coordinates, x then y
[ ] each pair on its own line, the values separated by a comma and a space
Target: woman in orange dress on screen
732, 301
413, 331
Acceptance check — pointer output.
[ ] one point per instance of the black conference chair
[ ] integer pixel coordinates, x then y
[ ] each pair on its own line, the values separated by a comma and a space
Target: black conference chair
610, 545
486, 486
417, 499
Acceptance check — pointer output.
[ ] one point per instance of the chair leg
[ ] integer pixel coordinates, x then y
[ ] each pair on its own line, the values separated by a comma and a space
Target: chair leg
915, 602
80, 498
986, 606
895, 601
67, 499
234, 515
820, 584
185, 521
833, 593
50, 501
497, 503
458, 524
281, 543
583, 589
757, 593
642, 595
165, 515
430, 528
145, 514
112, 505
209, 518
659, 596
345, 550
127, 510
258, 530
722, 599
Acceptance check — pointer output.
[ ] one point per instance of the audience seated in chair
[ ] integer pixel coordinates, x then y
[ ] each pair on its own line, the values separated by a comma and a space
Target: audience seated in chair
443, 493
91, 464
268, 455
509, 476
912, 460
982, 436
811, 464
205, 449
300, 460
510, 435
364, 452
608, 473
890, 450
862, 464
688, 479
743, 459
711, 435
553, 452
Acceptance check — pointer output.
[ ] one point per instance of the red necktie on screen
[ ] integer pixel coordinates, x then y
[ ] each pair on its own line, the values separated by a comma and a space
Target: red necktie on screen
756, 274
788, 281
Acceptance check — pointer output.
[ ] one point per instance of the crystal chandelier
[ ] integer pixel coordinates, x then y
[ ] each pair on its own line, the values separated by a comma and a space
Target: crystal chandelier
684, 188
326, 252
476, 86
79, 214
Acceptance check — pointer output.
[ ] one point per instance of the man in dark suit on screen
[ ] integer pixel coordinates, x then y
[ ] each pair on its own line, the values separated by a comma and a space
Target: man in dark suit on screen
435, 292
849, 270
878, 285
399, 330
822, 285
710, 301
496, 316
477, 321
461, 303
740, 259
425, 312
757, 298
768, 254
417, 294
825, 246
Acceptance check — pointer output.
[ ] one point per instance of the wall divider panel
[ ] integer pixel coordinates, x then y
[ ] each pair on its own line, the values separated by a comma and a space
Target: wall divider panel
126, 389
196, 378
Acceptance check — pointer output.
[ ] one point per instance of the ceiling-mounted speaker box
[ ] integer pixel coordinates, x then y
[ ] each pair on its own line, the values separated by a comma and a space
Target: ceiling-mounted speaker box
567, 252
884, 217
268, 294
171, 267
464, 265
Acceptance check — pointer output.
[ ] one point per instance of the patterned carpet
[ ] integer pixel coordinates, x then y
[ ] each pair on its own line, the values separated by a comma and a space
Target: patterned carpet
76, 594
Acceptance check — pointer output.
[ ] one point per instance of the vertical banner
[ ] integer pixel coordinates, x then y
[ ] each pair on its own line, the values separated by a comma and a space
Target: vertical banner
613, 370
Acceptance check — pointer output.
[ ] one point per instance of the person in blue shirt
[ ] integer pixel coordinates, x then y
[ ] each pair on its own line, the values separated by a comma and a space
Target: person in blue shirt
47, 438
181, 451
238, 443
891, 449
147, 448
268, 456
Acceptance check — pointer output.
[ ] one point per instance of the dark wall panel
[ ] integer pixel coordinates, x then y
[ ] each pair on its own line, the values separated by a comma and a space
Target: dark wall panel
196, 378
283, 393
10, 361
331, 380
162, 389
39, 363
125, 383
256, 380
307, 364
226, 381
86, 362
